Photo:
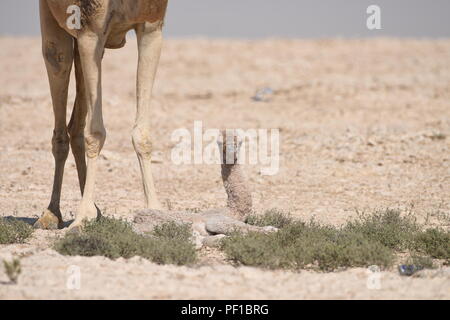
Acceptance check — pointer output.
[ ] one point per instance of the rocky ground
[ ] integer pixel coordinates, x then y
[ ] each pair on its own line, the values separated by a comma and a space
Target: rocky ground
364, 124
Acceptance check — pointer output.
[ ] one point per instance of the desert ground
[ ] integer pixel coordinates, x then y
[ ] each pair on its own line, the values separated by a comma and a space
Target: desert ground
364, 124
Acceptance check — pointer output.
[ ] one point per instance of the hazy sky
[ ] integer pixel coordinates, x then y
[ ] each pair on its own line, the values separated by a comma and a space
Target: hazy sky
272, 18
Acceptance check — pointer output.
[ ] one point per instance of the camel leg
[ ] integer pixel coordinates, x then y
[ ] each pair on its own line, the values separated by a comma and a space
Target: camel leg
77, 123
91, 47
57, 47
149, 43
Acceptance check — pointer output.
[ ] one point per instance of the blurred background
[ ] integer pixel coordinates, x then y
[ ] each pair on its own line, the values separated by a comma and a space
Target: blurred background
272, 18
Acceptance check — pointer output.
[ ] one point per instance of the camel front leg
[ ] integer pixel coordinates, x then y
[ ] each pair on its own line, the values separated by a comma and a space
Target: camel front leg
149, 42
58, 55
90, 48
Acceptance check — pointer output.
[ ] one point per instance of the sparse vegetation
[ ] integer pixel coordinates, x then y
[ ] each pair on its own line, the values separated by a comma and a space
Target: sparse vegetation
306, 245
273, 217
368, 240
389, 227
12, 269
420, 261
435, 243
14, 231
169, 243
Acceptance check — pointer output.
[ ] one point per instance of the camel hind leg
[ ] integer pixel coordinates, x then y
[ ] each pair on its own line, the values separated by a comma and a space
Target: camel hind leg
57, 48
149, 38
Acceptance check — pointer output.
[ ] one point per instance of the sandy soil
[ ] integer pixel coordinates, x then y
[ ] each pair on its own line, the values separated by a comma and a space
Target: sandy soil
364, 124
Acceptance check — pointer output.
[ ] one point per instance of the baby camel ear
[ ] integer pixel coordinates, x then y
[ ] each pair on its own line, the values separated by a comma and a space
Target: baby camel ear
220, 139
221, 143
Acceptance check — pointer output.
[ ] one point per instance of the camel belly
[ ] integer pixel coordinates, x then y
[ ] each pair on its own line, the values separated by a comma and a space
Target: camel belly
117, 36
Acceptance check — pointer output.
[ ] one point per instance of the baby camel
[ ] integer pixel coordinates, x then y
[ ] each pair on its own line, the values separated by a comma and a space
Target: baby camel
103, 24
210, 226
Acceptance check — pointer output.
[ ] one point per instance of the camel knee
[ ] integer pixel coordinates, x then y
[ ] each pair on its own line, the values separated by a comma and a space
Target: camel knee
142, 142
60, 144
94, 142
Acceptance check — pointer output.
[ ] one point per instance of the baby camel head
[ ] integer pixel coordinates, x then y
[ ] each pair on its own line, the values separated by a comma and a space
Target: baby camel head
229, 147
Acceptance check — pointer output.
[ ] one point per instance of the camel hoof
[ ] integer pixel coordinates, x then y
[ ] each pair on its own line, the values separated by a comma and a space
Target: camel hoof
76, 227
49, 221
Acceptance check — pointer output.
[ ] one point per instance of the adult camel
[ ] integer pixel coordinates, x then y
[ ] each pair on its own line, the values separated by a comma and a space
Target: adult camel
102, 24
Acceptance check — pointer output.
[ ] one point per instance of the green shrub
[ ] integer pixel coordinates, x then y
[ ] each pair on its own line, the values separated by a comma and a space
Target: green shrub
311, 245
14, 231
172, 230
388, 227
169, 243
256, 249
367, 240
435, 243
351, 250
273, 217
12, 269
420, 261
